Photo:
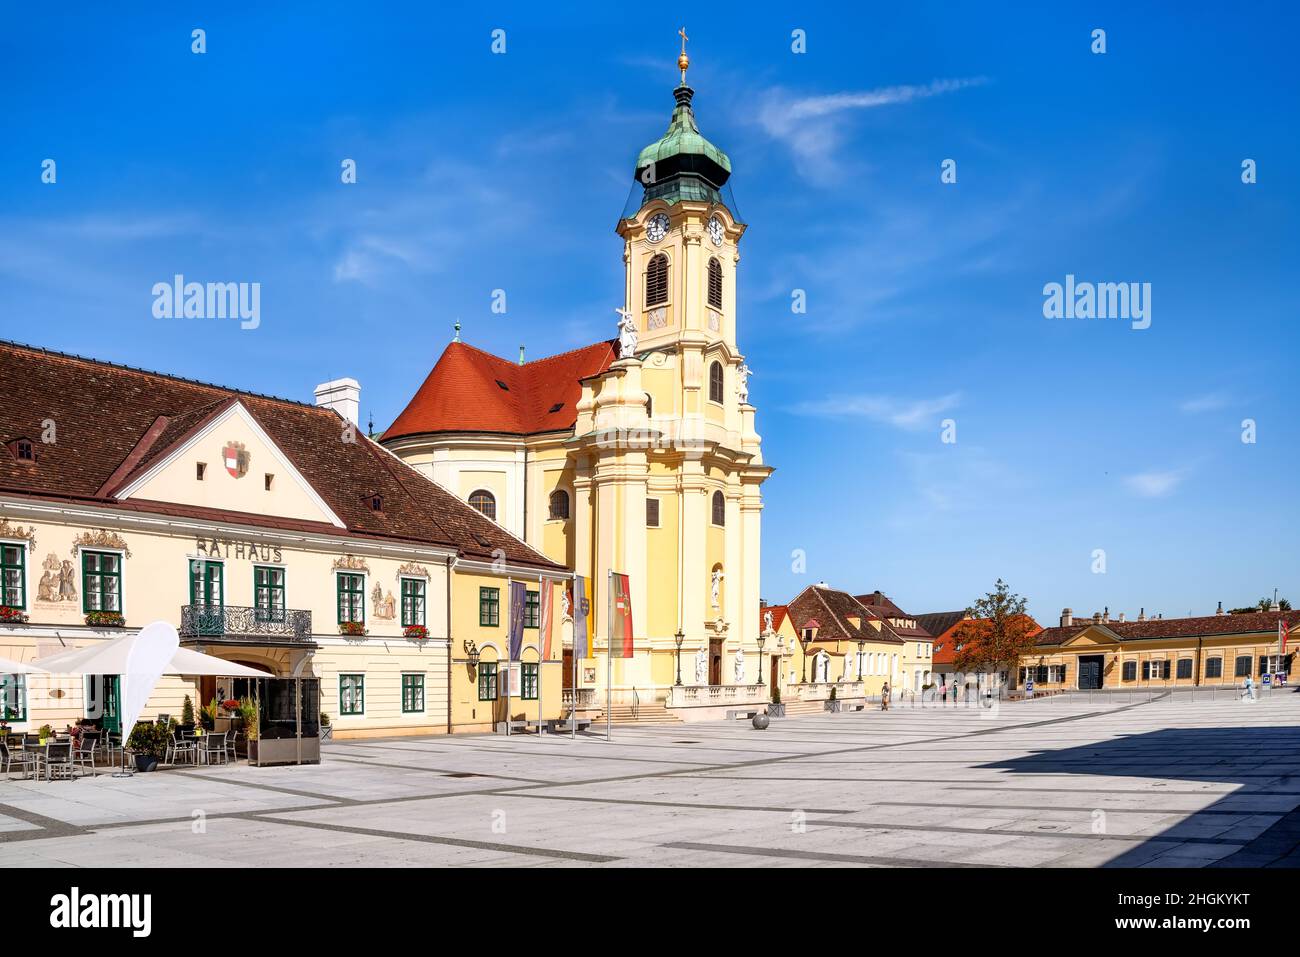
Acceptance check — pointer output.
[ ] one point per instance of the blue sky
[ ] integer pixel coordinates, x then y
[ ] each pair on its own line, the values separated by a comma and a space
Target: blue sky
479, 171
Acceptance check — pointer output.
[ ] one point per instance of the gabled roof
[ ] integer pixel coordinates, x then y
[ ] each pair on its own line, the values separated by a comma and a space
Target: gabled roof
470, 390
832, 609
114, 421
1205, 626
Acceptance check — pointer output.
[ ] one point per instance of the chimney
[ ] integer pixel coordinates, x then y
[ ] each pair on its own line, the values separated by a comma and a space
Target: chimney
1142, 613
1219, 610
1096, 618
821, 585
1105, 616
1067, 617
521, 355
343, 396
1121, 617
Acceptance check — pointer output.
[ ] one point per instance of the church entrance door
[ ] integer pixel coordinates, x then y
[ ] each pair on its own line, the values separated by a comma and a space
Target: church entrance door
715, 661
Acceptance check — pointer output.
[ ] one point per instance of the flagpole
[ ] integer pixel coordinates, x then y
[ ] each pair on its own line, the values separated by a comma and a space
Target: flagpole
541, 652
609, 657
510, 600
573, 657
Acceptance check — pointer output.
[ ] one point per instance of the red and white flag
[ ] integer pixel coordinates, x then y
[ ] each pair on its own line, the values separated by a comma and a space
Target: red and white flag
620, 616
1281, 636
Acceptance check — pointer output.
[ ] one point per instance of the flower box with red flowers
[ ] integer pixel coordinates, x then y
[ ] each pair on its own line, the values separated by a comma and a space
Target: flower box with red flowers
418, 632
12, 616
353, 629
105, 619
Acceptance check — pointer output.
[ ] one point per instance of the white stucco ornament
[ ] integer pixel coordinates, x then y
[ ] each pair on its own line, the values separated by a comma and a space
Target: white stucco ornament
701, 667
627, 334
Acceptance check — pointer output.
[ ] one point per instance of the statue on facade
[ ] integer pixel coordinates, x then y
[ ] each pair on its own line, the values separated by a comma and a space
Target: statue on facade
565, 604
742, 382
627, 334
717, 585
740, 665
702, 667
767, 622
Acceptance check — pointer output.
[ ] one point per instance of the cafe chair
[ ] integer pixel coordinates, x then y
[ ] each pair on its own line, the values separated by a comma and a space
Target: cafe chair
84, 753
57, 760
213, 746
181, 747
11, 754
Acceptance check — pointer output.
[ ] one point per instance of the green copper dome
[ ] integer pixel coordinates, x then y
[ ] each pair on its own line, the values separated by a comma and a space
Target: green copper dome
682, 164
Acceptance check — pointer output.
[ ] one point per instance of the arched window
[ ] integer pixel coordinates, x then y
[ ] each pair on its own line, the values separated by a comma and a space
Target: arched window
719, 509
715, 283
559, 503
649, 406
715, 382
483, 501
656, 280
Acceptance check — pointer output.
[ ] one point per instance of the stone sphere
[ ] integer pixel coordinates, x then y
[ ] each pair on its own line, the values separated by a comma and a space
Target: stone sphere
761, 721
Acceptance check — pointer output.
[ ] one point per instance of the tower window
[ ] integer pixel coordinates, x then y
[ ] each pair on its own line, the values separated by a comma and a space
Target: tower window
715, 382
652, 512
656, 281
715, 284
484, 501
559, 503
719, 509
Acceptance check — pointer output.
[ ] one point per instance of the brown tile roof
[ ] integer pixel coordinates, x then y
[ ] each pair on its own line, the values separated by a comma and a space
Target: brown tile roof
1205, 626
884, 607
463, 392
113, 421
832, 610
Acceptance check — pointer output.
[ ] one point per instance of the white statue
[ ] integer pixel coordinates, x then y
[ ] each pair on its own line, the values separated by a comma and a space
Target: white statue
742, 382
767, 622
740, 665
627, 335
717, 585
848, 667
701, 667
564, 603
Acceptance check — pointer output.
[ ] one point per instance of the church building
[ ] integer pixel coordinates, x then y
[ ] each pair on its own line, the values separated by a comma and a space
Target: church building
636, 455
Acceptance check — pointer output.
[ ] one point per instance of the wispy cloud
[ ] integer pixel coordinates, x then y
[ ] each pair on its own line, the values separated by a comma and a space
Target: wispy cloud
909, 414
812, 126
1210, 402
1155, 484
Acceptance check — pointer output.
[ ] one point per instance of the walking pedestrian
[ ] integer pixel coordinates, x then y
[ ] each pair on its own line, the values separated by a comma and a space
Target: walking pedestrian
884, 697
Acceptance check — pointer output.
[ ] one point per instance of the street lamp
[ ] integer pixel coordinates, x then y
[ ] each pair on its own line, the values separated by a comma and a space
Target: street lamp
861, 643
761, 639
679, 638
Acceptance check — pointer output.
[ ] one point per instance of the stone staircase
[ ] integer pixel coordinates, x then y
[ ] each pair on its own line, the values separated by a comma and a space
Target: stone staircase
794, 709
649, 712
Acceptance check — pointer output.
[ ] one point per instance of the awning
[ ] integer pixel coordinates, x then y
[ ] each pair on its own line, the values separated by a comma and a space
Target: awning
110, 658
10, 667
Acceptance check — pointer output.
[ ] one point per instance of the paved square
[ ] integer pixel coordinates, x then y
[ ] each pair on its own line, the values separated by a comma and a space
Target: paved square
1070, 781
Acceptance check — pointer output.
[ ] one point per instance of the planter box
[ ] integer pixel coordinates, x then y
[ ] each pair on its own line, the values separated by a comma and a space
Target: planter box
272, 751
833, 705
776, 710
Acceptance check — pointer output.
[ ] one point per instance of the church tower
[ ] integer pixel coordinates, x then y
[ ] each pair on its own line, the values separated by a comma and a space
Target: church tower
671, 430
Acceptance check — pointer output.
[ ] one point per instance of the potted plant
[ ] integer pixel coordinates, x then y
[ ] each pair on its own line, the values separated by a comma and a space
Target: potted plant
148, 743
776, 709
248, 716
105, 619
12, 616
187, 713
833, 703
353, 629
418, 632
45, 733
208, 715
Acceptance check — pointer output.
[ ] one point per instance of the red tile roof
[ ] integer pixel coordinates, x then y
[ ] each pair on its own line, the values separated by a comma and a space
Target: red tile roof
463, 392
832, 609
779, 614
883, 607
1205, 626
113, 421
945, 638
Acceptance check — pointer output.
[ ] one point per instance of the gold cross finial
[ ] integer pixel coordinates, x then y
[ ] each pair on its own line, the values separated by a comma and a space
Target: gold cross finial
682, 33
683, 61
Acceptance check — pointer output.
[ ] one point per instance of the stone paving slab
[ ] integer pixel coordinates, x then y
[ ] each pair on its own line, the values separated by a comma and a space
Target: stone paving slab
1065, 782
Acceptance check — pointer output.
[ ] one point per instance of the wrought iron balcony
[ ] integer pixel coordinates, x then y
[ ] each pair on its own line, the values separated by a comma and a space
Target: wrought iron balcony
236, 622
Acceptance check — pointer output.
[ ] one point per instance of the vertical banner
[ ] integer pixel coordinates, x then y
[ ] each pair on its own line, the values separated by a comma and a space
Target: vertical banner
545, 615
518, 597
581, 619
620, 616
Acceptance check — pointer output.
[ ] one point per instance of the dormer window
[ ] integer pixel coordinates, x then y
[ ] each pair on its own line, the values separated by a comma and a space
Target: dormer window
25, 451
376, 503
556, 408
502, 386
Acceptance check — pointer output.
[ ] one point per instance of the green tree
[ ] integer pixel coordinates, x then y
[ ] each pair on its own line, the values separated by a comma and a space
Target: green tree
996, 634
1264, 604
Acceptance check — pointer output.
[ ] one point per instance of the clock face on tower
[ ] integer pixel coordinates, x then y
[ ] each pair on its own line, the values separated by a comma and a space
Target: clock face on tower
715, 230
657, 228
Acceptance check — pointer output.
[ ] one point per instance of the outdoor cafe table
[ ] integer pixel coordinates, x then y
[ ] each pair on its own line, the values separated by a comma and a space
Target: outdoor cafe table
42, 750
